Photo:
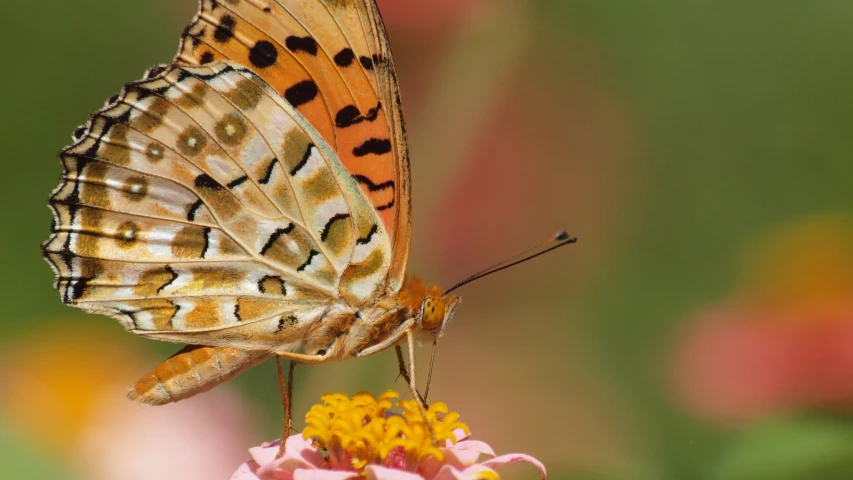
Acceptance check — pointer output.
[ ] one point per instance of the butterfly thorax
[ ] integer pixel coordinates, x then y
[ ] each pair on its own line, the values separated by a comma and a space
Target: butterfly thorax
346, 332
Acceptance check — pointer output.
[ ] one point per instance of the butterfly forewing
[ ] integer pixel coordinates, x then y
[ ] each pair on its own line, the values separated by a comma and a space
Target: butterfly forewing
329, 59
200, 207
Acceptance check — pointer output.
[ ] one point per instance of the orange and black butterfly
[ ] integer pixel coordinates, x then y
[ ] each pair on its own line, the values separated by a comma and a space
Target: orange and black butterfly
250, 199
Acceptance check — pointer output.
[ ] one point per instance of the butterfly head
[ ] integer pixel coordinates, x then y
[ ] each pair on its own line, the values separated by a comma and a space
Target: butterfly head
430, 306
435, 313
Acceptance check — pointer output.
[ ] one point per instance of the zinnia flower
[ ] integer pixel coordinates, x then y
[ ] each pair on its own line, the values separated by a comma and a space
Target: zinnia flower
359, 437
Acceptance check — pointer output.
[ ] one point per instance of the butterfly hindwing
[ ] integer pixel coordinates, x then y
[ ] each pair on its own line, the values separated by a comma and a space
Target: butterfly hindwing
199, 206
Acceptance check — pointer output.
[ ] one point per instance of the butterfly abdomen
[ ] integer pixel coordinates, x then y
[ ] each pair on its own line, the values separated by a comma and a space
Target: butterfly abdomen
193, 370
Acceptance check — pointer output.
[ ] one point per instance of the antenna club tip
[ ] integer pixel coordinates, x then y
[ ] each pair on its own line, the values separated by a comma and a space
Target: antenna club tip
565, 237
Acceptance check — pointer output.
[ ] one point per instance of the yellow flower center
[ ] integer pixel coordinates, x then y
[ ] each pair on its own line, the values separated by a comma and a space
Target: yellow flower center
361, 430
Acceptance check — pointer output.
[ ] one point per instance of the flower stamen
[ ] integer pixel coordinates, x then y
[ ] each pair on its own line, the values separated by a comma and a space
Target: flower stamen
359, 431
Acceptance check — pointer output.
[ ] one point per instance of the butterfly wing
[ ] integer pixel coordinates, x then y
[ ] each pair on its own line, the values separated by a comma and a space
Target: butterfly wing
331, 60
199, 207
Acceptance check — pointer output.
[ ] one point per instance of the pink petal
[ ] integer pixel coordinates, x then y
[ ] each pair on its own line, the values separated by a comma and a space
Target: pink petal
318, 474
376, 472
466, 452
246, 471
513, 458
265, 453
304, 449
450, 473
298, 454
460, 434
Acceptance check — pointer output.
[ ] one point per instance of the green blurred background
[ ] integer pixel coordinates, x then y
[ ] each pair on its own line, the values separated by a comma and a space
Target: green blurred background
680, 141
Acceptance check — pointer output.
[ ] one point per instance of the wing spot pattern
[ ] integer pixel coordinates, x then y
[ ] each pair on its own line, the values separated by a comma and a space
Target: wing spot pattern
263, 54
324, 235
351, 115
345, 57
225, 30
236, 183
307, 263
367, 238
301, 93
275, 237
268, 172
296, 168
192, 141
206, 181
273, 285
375, 146
301, 44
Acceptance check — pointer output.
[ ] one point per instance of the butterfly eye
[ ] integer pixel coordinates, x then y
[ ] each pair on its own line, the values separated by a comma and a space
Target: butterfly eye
432, 312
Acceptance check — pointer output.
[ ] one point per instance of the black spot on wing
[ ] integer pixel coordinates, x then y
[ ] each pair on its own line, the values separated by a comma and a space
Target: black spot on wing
373, 187
275, 236
206, 235
225, 30
78, 288
367, 238
326, 229
304, 160
263, 54
351, 115
78, 133
191, 214
345, 57
174, 313
215, 74
388, 205
263, 289
171, 280
268, 172
375, 146
206, 181
206, 58
237, 182
301, 44
284, 322
237, 312
311, 256
366, 62
301, 93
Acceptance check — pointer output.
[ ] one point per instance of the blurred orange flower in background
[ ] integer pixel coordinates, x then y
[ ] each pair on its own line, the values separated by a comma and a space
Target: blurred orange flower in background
785, 342
74, 411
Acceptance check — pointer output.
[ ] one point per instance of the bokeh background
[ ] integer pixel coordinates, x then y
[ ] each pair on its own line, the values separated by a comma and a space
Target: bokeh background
701, 329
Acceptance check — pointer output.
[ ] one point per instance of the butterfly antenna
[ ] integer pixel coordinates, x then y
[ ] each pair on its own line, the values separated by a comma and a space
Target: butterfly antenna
559, 240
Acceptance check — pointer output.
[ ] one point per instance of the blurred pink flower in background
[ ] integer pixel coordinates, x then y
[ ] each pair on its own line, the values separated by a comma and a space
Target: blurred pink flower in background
786, 341
75, 411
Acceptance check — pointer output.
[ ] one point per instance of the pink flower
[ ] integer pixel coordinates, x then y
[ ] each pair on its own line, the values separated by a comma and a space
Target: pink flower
377, 448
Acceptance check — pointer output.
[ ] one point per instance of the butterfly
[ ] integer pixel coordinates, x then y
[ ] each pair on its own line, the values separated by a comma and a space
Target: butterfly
251, 199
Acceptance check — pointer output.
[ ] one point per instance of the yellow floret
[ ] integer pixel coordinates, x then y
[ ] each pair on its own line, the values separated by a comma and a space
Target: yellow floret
363, 427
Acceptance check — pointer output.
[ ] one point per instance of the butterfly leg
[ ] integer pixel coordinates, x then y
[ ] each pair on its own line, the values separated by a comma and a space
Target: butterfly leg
401, 364
302, 359
287, 400
413, 385
404, 372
